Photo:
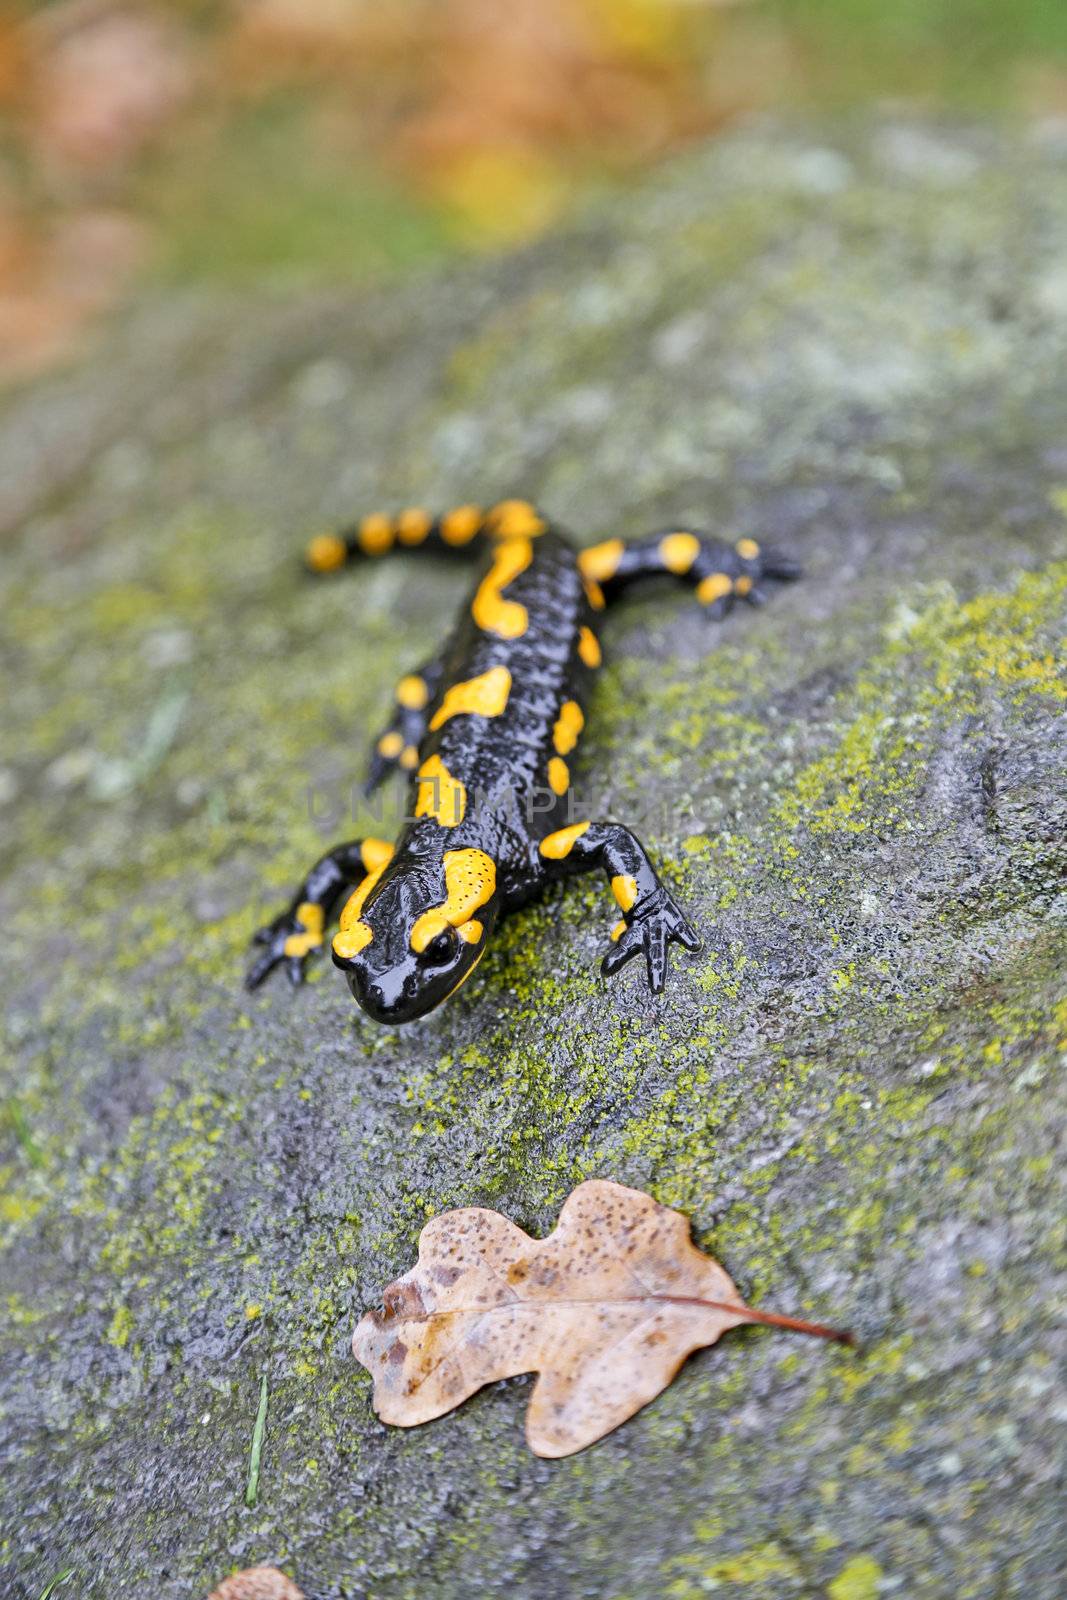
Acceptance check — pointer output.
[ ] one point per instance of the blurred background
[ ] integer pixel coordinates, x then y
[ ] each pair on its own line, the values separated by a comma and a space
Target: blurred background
325, 140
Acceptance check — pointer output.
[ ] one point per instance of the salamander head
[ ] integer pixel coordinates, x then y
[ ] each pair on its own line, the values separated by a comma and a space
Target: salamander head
410, 938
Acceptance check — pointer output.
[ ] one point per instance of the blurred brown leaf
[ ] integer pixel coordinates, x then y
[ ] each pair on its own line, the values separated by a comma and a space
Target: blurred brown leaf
515, 100
105, 78
272, 41
257, 1583
605, 1309
12, 59
52, 278
491, 110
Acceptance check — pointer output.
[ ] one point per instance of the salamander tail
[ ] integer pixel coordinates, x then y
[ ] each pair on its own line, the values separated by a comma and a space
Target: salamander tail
454, 531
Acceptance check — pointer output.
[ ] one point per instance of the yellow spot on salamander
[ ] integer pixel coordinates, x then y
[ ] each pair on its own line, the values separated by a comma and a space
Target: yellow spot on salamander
440, 794
354, 934
470, 932
376, 534
589, 647
594, 594
493, 614
714, 587
555, 846
412, 693
470, 881
747, 549
312, 920
352, 940
326, 552
601, 561
558, 775
678, 551
485, 696
390, 745
569, 725
353, 906
618, 930
413, 525
743, 585
459, 526
375, 853
624, 888
409, 757
515, 519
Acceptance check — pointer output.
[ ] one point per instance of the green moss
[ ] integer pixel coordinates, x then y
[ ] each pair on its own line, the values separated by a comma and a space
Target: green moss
328, 220
859, 1579
759, 1565
933, 670
167, 1166
120, 1327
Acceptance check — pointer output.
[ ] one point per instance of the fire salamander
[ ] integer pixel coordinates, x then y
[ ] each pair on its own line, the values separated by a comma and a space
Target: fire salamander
487, 732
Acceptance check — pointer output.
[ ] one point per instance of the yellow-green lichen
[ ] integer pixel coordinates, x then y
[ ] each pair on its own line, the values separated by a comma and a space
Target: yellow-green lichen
859, 1579
939, 659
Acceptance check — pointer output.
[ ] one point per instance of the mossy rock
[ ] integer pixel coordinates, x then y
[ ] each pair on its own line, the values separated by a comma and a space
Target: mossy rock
852, 343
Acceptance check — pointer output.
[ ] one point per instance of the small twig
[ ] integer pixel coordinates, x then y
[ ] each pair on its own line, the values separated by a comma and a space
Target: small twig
55, 1583
257, 1444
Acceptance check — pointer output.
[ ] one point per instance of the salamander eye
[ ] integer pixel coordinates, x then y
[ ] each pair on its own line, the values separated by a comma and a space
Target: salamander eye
440, 949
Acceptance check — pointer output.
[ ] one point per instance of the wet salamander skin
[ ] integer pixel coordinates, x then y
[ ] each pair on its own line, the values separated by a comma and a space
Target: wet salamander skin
487, 732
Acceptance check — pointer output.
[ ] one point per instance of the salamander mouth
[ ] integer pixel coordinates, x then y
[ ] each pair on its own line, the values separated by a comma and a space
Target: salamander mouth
391, 998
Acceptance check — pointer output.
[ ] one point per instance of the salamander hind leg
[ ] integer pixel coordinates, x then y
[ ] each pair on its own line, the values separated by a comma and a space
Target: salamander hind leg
651, 920
299, 932
721, 572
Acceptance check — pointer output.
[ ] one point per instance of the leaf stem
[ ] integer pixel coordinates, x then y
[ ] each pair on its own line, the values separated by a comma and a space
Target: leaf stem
818, 1330
775, 1319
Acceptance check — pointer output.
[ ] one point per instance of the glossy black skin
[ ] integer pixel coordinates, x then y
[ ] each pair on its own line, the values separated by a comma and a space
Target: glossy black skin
502, 760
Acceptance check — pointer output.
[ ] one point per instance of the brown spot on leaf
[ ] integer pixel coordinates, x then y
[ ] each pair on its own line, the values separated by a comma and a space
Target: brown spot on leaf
402, 1299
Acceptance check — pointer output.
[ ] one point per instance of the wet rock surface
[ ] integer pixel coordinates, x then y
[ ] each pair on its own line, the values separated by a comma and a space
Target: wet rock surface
851, 343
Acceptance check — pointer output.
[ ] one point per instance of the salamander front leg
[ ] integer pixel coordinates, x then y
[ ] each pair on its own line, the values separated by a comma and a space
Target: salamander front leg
651, 921
300, 930
398, 743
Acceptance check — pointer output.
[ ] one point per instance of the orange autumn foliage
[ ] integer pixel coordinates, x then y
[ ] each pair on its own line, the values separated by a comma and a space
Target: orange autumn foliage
493, 115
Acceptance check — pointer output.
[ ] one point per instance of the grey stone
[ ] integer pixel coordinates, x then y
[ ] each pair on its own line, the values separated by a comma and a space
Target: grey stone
850, 343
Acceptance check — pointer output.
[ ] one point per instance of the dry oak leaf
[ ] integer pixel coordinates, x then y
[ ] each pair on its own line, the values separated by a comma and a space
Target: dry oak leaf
605, 1309
257, 1583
